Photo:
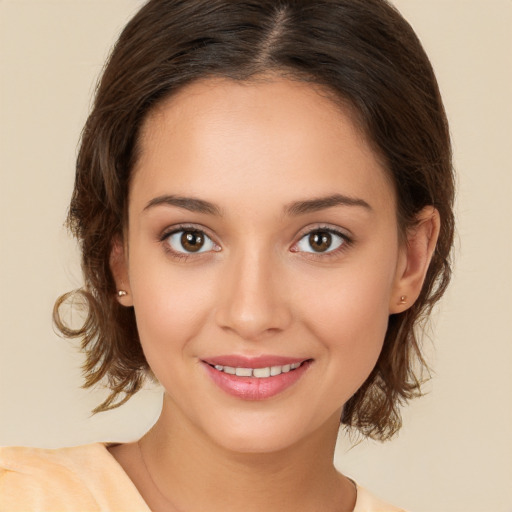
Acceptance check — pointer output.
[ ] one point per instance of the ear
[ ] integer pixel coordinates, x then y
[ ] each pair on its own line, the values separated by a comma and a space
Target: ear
414, 259
119, 268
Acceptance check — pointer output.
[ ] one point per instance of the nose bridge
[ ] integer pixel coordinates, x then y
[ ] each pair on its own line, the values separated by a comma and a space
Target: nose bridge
252, 302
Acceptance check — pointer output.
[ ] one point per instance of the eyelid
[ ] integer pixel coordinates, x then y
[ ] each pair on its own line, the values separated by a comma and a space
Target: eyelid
172, 230
176, 228
335, 230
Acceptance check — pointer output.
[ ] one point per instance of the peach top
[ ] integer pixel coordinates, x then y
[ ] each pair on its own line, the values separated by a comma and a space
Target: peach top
86, 478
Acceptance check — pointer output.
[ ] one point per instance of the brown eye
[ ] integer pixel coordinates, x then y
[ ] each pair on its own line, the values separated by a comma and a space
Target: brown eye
189, 241
192, 241
320, 241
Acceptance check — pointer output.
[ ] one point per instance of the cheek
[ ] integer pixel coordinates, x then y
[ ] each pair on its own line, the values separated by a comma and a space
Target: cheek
353, 299
349, 316
170, 307
354, 327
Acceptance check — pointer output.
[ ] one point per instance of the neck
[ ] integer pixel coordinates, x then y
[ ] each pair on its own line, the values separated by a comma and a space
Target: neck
194, 473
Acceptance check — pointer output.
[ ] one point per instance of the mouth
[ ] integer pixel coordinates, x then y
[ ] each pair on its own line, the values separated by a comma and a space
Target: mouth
256, 378
258, 373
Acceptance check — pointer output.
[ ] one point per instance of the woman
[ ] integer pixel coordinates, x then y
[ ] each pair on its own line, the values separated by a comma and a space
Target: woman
263, 199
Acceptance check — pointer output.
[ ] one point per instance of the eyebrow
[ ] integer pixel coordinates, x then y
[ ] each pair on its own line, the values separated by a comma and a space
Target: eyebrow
321, 203
293, 209
187, 203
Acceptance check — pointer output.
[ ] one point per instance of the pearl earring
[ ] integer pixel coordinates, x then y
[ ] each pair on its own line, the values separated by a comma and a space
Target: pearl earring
122, 293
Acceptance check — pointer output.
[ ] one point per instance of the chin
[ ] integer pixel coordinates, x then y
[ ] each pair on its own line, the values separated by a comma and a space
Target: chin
251, 441
265, 433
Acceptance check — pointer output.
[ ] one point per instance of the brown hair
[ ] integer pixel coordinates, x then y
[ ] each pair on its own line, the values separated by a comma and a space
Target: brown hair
365, 53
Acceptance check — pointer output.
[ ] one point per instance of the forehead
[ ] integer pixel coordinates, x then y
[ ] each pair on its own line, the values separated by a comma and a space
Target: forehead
260, 138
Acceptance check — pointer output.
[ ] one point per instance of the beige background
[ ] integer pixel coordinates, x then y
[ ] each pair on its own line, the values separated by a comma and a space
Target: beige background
455, 451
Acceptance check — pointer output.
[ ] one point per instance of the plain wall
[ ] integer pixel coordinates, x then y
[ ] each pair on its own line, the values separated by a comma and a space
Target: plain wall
455, 450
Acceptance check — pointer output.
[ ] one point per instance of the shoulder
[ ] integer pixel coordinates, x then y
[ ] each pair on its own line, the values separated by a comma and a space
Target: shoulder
367, 502
79, 478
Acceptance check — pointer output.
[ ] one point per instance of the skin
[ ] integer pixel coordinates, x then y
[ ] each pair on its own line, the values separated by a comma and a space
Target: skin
252, 150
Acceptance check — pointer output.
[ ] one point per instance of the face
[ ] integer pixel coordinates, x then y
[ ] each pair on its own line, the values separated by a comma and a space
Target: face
262, 258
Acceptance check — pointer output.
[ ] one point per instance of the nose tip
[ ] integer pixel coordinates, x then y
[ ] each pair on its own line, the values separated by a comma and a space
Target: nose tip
250, 327
252, 301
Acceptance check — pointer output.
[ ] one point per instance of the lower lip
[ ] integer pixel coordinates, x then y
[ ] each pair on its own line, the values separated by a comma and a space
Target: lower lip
253, 388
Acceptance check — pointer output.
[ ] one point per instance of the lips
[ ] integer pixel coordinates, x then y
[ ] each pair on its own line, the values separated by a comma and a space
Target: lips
255, 378
259, 373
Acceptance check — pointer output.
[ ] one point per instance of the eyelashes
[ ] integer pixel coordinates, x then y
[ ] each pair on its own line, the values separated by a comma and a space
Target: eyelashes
185, 241
321, 241
191, 241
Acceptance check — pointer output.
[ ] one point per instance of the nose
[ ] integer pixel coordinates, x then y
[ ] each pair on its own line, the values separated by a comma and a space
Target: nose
252, 297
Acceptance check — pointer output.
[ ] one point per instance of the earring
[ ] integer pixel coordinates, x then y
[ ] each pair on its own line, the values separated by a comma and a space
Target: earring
122, 293
403, 299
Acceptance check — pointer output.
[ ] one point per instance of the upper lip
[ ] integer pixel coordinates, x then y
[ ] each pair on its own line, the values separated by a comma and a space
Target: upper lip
263, 361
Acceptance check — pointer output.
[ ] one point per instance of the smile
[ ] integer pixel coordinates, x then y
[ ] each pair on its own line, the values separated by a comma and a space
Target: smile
257, 379
259, 373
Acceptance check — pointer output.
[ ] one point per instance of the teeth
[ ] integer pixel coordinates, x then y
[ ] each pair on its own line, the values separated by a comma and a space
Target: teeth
260, 373
243, 372
275, 370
